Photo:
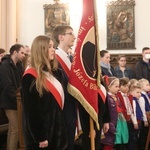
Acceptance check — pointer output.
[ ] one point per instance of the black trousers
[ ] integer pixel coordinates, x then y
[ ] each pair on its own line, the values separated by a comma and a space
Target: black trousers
133, 136
85, 124
142, 136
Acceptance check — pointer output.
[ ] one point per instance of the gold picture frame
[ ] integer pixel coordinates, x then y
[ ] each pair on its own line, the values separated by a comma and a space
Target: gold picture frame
120, 24
54, 15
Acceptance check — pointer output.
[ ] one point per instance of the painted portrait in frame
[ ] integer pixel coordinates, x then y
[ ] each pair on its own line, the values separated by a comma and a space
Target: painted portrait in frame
120, 25
55, 14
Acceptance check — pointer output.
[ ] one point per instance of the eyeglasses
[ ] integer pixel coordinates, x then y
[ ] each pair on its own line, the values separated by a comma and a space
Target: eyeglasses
70, 33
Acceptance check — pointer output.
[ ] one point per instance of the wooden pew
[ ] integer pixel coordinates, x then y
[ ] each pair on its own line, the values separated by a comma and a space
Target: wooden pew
148, 140
19, 107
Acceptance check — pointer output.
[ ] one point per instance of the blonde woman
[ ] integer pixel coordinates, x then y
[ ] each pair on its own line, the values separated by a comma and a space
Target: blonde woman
43, 96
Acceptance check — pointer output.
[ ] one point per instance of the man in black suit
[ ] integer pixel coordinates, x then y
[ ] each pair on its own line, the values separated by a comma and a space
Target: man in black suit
65, 39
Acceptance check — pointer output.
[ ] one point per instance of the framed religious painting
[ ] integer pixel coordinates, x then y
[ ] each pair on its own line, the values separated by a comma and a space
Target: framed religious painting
55, 14
120, 25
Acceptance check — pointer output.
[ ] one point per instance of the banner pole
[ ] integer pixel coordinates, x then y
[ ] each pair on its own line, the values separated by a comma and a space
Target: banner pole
92, 134
97, 43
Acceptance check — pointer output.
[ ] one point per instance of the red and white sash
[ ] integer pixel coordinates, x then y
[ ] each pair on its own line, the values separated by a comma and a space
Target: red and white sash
61, 56
53, 85
63, 60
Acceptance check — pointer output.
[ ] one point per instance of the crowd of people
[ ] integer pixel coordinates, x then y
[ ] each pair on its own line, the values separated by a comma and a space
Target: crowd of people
128, 92
50, 113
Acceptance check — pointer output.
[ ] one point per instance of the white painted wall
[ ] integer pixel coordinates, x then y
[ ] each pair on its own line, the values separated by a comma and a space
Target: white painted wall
31, 18
31, 21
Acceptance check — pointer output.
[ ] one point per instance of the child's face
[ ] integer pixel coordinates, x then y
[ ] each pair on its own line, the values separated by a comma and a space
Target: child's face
146, 86
124, 88
136, 93
114, 88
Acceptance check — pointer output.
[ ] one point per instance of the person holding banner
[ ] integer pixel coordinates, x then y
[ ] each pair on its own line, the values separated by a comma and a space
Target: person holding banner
88, 52
43, 99
65, 38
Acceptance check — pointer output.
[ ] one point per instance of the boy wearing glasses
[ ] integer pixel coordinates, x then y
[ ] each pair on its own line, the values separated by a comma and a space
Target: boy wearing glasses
65, 38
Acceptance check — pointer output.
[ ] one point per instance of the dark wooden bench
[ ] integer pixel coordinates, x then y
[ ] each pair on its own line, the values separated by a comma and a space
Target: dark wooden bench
19, 107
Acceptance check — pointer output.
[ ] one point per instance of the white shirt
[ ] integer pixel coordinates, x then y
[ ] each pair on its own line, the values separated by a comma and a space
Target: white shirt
141, 102
127, 103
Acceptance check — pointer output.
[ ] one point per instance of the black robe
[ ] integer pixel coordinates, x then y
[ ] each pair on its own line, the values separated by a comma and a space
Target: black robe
42, 117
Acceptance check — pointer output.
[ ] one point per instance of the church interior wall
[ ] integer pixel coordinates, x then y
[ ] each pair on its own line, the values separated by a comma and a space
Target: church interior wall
30, 22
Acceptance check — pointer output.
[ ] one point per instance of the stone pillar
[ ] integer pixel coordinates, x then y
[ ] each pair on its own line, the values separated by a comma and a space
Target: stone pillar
3, 16
11, 33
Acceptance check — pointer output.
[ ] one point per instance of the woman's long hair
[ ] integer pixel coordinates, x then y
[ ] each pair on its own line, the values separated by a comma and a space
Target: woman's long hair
40, 60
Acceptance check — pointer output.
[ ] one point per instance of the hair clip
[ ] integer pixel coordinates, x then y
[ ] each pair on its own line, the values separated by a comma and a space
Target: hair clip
106, 80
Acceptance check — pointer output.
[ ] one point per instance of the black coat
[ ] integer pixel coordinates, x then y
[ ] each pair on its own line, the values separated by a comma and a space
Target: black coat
69, 111
42, 117
142, 70
70, 102
107, 73
103, 117
10, 78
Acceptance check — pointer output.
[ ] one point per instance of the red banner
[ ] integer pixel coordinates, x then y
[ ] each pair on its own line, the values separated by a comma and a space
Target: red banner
84, 70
